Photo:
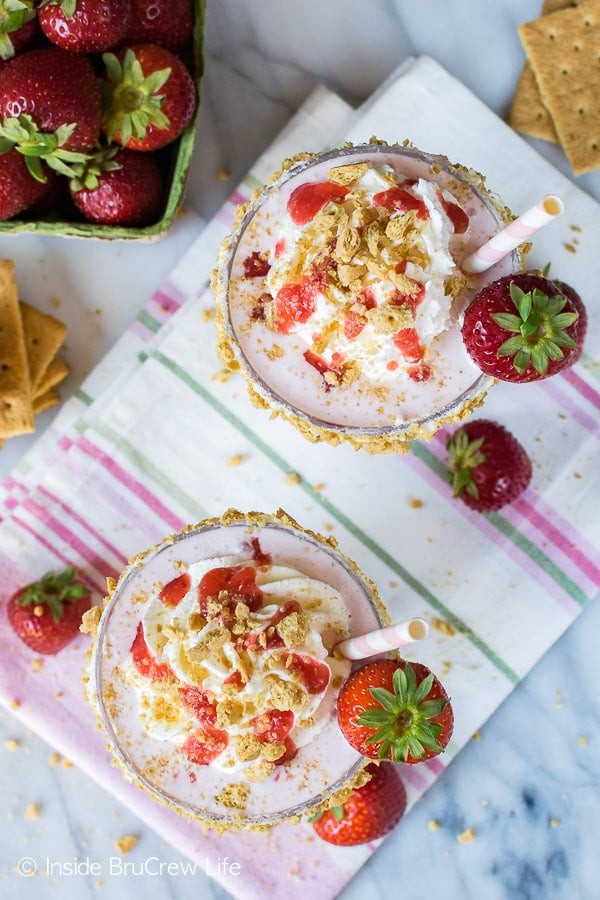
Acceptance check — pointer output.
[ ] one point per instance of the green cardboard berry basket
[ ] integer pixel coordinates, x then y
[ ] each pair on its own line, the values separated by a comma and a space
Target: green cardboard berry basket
175, 160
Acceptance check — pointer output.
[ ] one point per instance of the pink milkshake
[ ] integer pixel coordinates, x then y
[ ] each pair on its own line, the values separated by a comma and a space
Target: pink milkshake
214, 675
339, 293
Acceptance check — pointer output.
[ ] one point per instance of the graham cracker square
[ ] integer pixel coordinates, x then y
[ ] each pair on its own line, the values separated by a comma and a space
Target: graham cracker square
563, 50
527, 114
16, 412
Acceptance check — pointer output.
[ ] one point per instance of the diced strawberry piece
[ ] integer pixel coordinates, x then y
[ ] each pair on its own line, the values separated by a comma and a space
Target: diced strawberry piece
273, 640
410, 300
280, 247
407, 342
237, 581
256, 265
143, 660
353, 324
290, 752
274, 725
313, 673
258, 554
202, 703
457, 216
174, 592
399, 199
420, 372
235, 678
295, 303
306, 200
205, 744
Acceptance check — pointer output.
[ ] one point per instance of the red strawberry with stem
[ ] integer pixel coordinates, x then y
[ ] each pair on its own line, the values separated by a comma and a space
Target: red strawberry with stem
396, 710
46, 614
49, 112
488, 466
149, 97
118, 187
169, 23
521, 328
370, 812
17, 26
85, 26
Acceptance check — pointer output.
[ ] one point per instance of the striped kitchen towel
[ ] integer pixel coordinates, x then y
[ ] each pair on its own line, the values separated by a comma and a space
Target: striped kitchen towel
152, 447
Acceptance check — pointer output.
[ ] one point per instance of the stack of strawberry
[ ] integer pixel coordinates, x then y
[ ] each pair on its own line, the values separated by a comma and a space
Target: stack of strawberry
90, 93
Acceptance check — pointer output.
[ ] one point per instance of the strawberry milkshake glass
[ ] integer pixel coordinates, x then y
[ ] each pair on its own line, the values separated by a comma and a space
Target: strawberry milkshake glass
339, 293
214, 675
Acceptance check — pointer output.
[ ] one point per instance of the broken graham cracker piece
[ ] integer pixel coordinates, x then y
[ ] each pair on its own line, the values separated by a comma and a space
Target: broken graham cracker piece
44, 336
57, 371
44, 401
16, 411
563, 50
527, 114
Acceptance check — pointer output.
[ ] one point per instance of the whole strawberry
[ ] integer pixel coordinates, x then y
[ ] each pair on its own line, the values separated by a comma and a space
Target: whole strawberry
166, 22
488, 466
52, 89
521, 328
149, 97
18, 24
395, 710
85, 26
119, 188
46, 614
369, 812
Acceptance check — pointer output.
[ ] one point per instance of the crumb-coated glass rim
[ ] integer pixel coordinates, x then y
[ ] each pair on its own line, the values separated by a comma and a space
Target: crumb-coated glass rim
128, 764
478, 388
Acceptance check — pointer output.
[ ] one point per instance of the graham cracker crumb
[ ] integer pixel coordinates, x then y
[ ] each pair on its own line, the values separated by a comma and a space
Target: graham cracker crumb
292, 478
443, 626
32, 811
434, 825
466, 836
90, 620
294, 629
477, 736
233, 796
11, 745
223, 174
415, 503
236, 460
54, 759
126, 843
553, 822
222, 376
583, 741
260, 772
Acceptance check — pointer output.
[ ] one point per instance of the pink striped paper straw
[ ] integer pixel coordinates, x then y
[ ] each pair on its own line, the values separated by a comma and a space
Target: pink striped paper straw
384, 639
501, 244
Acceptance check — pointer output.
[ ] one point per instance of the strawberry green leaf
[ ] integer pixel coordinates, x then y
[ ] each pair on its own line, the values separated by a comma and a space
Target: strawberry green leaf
53, 590
402, 720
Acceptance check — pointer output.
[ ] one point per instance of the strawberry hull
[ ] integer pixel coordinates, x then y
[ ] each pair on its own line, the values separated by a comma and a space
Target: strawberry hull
174, 162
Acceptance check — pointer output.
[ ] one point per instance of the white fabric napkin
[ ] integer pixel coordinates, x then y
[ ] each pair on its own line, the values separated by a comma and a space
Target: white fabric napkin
148, 444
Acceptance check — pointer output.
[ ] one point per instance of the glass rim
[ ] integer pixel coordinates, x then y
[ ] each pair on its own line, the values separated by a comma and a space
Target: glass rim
478, 388
235, 818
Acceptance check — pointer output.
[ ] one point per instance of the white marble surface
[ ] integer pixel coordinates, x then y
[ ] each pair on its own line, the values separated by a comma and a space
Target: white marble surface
530, 787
